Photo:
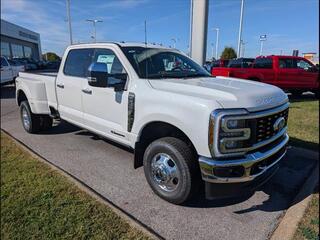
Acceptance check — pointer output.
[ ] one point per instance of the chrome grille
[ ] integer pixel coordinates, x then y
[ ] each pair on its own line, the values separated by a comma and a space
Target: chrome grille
265, 124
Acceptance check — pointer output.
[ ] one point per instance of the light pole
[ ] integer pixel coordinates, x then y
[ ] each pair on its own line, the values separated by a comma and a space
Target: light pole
240, 28
212, 50
242, 48
263, 38
217, 40
69, 20
94, 21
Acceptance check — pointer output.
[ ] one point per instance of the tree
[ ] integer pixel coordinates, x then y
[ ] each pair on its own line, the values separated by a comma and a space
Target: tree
51, 56
228, 53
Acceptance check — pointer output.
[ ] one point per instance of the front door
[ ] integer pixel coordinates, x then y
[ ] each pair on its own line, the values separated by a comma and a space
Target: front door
105, 111
308, 74
70, 83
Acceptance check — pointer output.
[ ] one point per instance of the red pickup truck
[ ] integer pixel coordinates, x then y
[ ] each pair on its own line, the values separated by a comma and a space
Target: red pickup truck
293, 74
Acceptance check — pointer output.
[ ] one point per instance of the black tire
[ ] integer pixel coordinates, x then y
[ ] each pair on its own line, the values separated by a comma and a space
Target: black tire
186, 185
45, 122
34, 120
296, 93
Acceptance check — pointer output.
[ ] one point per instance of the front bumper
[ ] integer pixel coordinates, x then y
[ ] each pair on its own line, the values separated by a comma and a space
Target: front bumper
246, 169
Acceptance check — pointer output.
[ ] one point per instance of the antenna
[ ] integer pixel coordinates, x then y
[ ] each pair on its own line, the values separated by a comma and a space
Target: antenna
145, 32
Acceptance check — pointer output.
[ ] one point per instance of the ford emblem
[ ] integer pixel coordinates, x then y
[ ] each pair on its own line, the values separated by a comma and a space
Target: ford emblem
279, 124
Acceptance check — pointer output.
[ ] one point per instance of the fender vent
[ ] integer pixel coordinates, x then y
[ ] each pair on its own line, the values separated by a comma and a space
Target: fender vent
131, 103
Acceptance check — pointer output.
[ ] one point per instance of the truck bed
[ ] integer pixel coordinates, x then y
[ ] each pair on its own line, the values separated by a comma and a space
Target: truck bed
42, 86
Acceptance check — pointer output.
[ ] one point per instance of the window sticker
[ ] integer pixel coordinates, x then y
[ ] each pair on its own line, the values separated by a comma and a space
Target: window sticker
107, 59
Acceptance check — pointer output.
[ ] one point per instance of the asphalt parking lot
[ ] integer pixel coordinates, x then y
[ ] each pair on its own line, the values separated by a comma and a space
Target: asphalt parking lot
108, 169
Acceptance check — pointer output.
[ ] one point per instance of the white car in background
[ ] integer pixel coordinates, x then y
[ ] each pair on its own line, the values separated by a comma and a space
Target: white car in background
9, 72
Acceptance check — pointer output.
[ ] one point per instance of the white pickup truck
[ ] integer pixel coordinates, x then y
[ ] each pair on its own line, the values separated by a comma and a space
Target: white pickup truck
9, 72
185, 126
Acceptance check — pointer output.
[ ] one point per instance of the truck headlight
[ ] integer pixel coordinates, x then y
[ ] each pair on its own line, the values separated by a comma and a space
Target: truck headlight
233, 135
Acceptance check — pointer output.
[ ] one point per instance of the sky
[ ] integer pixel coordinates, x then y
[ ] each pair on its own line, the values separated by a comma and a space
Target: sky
288, 24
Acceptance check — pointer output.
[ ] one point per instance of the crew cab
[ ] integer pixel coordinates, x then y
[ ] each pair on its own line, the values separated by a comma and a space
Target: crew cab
9, 71
290, 73
185, 126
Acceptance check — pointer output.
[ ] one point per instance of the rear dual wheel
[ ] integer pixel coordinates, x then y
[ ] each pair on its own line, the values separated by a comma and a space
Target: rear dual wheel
31, 122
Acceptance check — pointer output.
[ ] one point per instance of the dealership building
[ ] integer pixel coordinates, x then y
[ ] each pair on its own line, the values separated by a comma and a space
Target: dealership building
19, 42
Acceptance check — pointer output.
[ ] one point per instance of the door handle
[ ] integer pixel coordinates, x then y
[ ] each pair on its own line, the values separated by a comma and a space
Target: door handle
87, 91
59, 85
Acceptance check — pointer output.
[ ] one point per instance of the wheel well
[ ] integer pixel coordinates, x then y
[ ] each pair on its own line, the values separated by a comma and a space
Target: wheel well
254, 79
21, 97
156, 130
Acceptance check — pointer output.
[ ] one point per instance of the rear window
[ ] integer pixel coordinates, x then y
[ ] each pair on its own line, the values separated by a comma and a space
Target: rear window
263, 63
215, 64
235, 63
78, 62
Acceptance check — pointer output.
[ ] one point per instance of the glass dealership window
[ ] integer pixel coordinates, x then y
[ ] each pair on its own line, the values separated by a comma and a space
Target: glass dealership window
27, 52
5, 49
17, 51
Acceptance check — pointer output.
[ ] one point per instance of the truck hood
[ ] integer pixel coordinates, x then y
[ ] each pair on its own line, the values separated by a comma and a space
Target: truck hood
228, 92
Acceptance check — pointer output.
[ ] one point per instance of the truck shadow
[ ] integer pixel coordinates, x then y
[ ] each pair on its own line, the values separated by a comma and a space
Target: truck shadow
8, 92
276, 195
61, 128
306, 97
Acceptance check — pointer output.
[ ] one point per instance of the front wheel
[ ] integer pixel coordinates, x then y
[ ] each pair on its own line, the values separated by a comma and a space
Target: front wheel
171, 170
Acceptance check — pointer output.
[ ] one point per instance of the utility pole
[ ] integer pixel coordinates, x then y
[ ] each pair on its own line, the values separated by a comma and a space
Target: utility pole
217, 41
94, 21
240, 28
69, 20
263, 38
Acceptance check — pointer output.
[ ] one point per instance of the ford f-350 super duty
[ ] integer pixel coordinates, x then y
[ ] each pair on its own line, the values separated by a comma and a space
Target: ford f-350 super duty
185, 126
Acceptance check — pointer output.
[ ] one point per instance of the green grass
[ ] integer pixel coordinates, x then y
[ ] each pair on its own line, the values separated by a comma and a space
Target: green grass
309, 226
39, 203
304, 124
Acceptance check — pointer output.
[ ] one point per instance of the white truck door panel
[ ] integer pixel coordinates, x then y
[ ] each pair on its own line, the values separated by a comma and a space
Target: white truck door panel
104, 109
70, 83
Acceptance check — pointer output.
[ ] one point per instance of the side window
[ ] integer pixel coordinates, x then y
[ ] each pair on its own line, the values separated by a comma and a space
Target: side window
286, 63
78, 62
3, 62
265, 63
234, 64
302, 64
113, 63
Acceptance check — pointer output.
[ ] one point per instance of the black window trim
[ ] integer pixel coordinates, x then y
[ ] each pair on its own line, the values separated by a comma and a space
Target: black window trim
65, 61
94, 50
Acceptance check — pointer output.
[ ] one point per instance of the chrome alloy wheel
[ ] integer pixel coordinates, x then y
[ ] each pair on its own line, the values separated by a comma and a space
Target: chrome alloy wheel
165, 172
25, 118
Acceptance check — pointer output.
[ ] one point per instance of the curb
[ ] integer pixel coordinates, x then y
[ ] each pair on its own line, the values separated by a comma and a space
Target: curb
290, 221
132, 221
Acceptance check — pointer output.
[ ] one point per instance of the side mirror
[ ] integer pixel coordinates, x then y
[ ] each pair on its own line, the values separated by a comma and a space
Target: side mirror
118, 81
98, 75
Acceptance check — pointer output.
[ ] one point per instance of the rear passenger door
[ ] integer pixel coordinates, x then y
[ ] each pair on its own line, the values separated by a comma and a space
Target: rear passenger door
70, 83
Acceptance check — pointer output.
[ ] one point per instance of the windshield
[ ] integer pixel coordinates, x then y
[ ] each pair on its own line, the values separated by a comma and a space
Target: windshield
156, 63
